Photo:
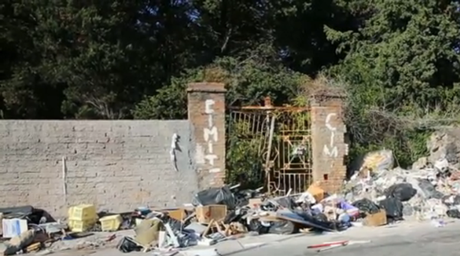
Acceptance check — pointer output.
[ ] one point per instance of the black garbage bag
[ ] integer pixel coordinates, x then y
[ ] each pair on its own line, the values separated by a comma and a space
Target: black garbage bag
127, 244
321, 217
232, 216
286, 202
428, 189
366, 205
393, 208
402, 191
457, 200
242, 196
256, 226
317, 221
451, 200
210, 196
282, 227
453, 213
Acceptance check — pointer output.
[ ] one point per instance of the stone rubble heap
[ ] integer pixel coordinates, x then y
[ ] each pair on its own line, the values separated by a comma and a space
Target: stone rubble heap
435, 178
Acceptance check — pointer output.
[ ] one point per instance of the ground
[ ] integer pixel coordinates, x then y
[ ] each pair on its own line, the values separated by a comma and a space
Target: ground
402, 238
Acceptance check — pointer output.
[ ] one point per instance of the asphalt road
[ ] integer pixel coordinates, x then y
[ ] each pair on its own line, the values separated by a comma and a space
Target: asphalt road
415, 239
405, 238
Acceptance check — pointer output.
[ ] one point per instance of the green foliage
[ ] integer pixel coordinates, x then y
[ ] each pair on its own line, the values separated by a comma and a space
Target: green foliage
70, 59
371, 133
401, 65
404, 53
245, 156
248, 149
170, 102
399, 60
247, 81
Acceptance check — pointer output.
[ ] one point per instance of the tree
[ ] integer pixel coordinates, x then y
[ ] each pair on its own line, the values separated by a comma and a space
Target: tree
401, 63
23, 92
100, 58
247, 80
404, 52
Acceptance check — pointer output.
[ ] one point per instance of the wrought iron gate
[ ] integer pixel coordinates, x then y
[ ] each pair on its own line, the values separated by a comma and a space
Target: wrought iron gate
278, 146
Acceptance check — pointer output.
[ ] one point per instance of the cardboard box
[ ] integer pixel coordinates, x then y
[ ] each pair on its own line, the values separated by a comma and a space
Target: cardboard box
205, 214
177, 214
376, 219
255, 202
316, 191
13, 227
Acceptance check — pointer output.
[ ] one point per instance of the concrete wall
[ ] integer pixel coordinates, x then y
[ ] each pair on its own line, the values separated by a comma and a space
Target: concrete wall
117, 165
120, 165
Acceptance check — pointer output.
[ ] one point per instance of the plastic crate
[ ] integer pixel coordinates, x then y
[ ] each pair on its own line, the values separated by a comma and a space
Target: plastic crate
111, 223
81, 225
82, 212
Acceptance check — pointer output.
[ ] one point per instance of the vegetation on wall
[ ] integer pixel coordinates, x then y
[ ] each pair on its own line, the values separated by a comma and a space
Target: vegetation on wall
397, 61
245, 155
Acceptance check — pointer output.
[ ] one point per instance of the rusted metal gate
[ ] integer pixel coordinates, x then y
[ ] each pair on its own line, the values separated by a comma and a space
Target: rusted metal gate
278, 146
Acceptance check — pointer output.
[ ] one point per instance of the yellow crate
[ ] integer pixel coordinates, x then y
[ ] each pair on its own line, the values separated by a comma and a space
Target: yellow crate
83, 212
111, 223
81, 225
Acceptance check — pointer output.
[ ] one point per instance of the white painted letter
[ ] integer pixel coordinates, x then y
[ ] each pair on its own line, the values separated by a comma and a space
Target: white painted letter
199, 154
208, 106
211, 159
210, 132
210, 147
332, 153
331, 150
210, 135
328, 120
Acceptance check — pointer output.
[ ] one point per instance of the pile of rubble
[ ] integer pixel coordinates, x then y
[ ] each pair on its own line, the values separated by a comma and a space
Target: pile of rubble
427, 191
376, 195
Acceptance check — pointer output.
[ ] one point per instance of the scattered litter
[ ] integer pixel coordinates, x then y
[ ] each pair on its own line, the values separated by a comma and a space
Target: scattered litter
332, 245
378, 194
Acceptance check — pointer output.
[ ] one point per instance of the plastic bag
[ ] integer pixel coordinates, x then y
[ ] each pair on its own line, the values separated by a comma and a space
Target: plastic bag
453, 213
127, 244
393, 208
378, 161
283, 227
286, 202
408, 210
306, 197
367, 206
429, 190
402, 191
215, 196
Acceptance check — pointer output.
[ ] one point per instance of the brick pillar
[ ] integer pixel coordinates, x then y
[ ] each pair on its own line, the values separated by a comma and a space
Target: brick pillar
206, 112
328, 141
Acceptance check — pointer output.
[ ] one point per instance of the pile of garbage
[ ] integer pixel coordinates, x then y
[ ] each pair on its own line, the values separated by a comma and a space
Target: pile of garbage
215, 215
226, 213
26, 229
376, 195
430, 190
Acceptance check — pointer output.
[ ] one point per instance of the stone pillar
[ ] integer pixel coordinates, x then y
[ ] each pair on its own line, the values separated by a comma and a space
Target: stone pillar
329, 148
206, 112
